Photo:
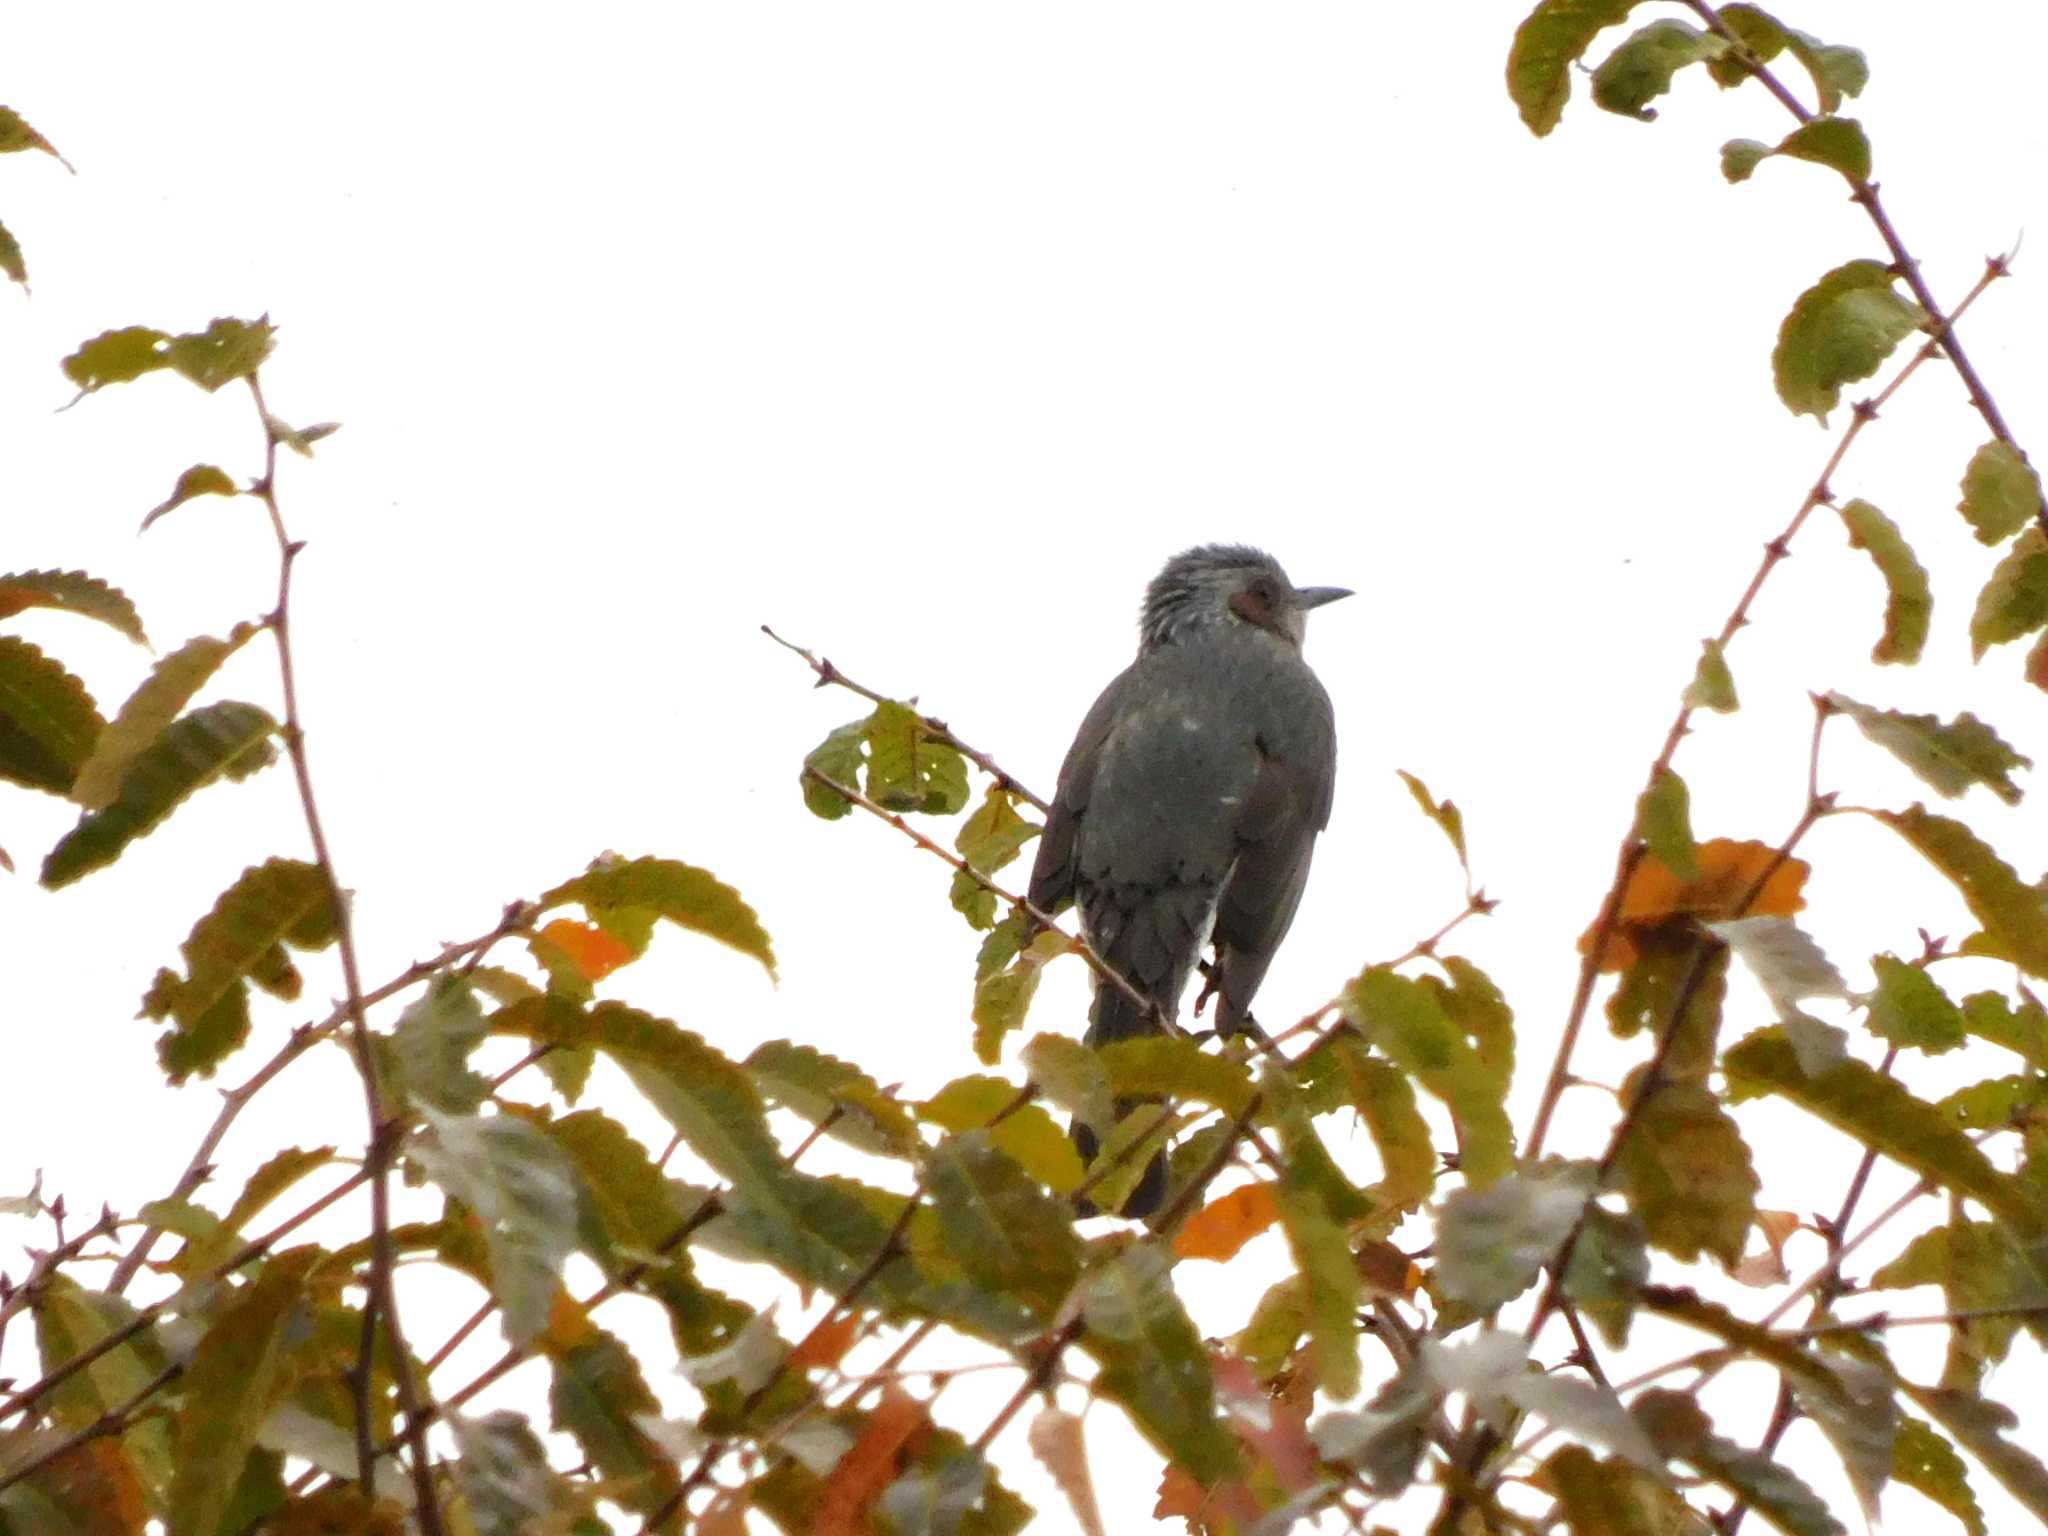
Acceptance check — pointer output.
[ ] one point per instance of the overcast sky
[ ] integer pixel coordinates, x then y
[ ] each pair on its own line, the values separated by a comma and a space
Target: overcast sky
925, 333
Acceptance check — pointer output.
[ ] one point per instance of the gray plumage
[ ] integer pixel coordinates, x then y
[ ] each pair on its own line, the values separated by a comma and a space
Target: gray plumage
1188, 806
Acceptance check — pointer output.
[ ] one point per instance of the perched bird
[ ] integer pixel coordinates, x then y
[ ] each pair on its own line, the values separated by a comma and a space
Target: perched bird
1188, 805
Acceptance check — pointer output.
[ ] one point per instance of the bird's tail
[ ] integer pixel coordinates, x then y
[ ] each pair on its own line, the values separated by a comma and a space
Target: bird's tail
1117, 1016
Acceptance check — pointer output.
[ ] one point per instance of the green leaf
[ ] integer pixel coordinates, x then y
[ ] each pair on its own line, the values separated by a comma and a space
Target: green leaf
430, 1048
1836, 142
1026, 1135
242, 939
1785, 960
1445, 814
279, 1173
598, 1396
1153, 1362
1491, 1243
2014, 601
170, 686
1687, 1172
1878, 1111
631, 1197
199, 480
48, 722
300, 439
1641, 69
1002, 1000
228, 740
235, 1375
508, 1488
1406, 1022
834, 1094
1609, 1266
226, 350
1322, 1253
1923, 1460
11, 261
1910, 1009
1838, 331
682, 894
910, 769
838, 758
1682, 1430
1980, 1269
1158, 1066
2011, 913
1990, 1016
16, 135
1713, 685
117, 357
1837, 71
69, 1321
72, 592
1979, 1426
988, 840
1385, 1101
1664, 823
1909, 601
1071, 1075
1949, 758
525, 1194
1006, 1232
1606, 1496
1741, 157
1551, 39
2001, 492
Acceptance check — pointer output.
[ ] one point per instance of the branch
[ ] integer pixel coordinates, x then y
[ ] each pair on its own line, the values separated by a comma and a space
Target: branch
382, 1297
829, 675
113, 1422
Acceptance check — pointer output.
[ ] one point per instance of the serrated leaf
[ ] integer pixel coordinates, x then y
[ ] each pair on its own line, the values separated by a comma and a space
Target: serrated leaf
2011, 913
2001, 492
234, 1377
598, 1396
524, 1192
988, 840
1026, 1135
199, 480
1713, 685
1839, 331
1006, 1232
117, 357
1837, 70
1980, 1427
430, 1048
2023, 1031
1152, 1360
508, 1488
1910, 1009
835, 1094
1406, 1022
1784, 959
1607, 1496
1220, 1229
72, 592
279, 1173
2014, 601
228, 349
1682, 1430
1924, 1461
1322, 1254
1385, 1101
170, 686
1070, 1075
1642, 68
1879, 1112
71, 1320
838, 757
1549, 42
1445, 814
1002, 1000
910, 769
1607, 1271
680, 893
1156, 1066
1384, 1440
1056, 1440
1664, 823
1909, 601
228, 740
1491, 1243
242, 939
48, 722
1949, 757
1687, 1172
1981, 1269
1838, 143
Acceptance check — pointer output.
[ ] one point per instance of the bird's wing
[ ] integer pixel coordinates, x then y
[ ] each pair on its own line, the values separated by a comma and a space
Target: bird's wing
1052, 872
1288, 805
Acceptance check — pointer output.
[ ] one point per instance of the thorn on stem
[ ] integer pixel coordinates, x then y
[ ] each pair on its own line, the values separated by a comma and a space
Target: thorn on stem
1864, 410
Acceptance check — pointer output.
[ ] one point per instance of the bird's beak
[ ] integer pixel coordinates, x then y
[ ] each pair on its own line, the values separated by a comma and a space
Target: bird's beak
1314, 597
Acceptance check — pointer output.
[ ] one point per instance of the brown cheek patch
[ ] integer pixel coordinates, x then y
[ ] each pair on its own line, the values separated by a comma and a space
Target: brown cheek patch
1252, 611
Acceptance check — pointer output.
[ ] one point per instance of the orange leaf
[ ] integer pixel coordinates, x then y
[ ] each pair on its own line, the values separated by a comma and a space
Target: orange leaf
868, 1466
1227, 1507
1227, 1223
725, 1515
1386, 1270
825, 1344
1273, 1429
594, 953
1728, 870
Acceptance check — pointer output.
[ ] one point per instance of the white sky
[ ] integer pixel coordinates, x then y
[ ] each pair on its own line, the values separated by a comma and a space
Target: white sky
925, 332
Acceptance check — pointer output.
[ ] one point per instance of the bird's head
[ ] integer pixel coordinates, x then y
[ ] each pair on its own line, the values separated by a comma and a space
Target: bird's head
1227, 584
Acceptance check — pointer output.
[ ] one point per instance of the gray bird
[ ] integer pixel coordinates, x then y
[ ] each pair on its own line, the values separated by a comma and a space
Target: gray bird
1189, 804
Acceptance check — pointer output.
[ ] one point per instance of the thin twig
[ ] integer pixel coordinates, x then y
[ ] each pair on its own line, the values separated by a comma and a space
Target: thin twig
113, 1422
382, 1295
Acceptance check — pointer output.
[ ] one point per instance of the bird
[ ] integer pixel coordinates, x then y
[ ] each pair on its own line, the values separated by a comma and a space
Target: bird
1188, 807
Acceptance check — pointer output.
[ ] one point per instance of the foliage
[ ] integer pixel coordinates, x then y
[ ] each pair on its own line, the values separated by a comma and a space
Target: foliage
272, 1383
